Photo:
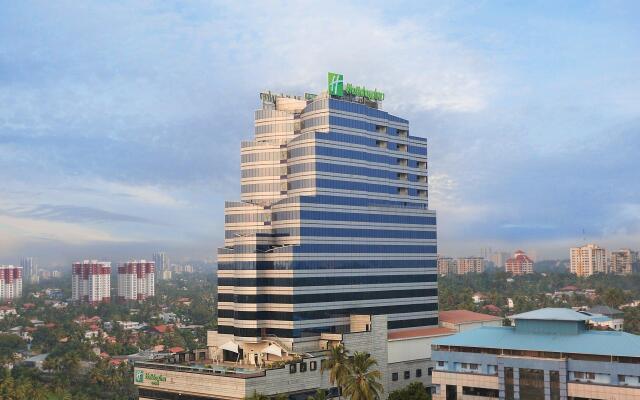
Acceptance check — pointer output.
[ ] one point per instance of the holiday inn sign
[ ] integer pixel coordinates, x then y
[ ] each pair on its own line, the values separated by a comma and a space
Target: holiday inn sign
154, 379
337, 87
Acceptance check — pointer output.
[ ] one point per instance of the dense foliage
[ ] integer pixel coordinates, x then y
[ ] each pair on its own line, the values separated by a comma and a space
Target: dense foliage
73, 369
103, 381
537, 290
414, 391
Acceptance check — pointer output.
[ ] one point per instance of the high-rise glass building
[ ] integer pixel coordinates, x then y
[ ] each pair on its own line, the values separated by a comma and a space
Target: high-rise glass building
333, 221
29, 269
161, 262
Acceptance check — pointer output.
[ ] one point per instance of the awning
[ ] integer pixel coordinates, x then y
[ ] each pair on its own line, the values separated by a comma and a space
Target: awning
230, 346
273, 349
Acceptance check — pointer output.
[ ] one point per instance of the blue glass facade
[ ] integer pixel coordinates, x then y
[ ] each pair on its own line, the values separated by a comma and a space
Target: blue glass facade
334, 221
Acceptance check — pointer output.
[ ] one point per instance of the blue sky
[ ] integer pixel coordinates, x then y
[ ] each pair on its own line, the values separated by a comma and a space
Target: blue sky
121, 122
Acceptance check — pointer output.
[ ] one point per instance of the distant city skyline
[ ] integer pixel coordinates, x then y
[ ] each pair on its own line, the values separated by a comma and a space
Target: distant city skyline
117, 145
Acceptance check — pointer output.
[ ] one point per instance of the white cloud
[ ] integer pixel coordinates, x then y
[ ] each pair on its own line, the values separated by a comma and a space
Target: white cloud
418, 68
445, 197
144, 194
14, 231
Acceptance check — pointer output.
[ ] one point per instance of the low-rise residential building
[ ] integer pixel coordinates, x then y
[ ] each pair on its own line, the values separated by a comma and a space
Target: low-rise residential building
479, 298
6, 311
36, 361
549, 354
634, 303
605, 317
168, 317
464, 320
131, 325
600, 321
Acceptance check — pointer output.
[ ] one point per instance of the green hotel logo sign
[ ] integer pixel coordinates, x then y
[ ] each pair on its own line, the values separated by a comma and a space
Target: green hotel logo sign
154, 379
336, 84
338, 88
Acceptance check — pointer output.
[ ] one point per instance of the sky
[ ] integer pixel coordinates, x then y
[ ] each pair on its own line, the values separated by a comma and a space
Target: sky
121, 122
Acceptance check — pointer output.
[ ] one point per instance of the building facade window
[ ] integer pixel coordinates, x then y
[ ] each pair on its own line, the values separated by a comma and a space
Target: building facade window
554, 383
509, 391
480, 392
531, 384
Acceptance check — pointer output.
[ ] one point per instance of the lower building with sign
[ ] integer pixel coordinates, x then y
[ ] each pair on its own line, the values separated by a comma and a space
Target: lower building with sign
201, 374
403, 357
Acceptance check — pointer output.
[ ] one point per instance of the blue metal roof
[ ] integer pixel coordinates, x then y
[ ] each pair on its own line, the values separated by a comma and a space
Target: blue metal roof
606, 343
553, 314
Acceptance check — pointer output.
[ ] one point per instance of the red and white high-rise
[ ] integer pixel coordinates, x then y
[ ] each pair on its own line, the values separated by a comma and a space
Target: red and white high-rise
91, 281
10, 282
136, 280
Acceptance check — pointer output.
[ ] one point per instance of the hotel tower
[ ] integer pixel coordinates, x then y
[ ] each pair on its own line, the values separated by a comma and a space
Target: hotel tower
333, 221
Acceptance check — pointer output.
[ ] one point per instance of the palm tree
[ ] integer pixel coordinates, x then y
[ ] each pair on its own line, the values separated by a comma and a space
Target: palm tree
361, 382
320, 395
257, 396
337, 364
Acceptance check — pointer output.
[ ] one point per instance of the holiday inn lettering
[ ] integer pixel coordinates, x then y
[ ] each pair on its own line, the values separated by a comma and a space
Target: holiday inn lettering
336, 86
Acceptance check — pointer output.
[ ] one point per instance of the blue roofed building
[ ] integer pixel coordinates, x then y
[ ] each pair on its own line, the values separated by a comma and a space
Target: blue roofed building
551, 353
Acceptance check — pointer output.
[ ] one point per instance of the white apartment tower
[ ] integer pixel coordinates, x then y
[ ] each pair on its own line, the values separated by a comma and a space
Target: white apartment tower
588, 260
446, 266
91, 281
10, 282
466, 265
136, 280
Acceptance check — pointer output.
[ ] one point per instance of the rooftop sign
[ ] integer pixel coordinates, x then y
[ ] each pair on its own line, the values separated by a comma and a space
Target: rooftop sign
337, 87
268, 97
155, 379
